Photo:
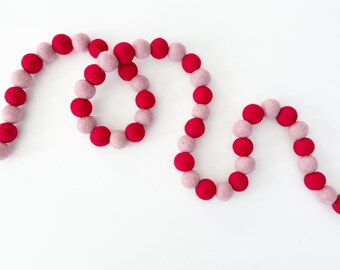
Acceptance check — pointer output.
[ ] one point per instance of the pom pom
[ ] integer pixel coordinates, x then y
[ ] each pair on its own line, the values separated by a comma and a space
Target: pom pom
190, 179
253, 113
307, 164
118, 139
200, 77
304, 147
139, 83
298, 130
245, 165
8, 132
242, 128
206, 189
200, 111
184, 162
243, 147
124, 52
327, 195
107, 61
12, 114
194, 127
202, 95
86, 124
62, 44
191, 62
135, 132
127, 72
238, 181
336, 205
144, 117
80, 42
224, 191
81, 107
315, 180
46, 52
287, 116
100, 136
31, 63
176, 52
94, 74
271, 108
97, 46
159, 48
142, 48
145, 100
21, 78
4, 151
83, 89
186, 144
15, 96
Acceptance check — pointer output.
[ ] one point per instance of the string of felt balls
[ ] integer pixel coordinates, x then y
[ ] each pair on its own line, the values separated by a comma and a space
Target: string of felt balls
122, 59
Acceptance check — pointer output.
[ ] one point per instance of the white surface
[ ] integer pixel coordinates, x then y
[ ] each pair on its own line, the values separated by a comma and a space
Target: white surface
65, 204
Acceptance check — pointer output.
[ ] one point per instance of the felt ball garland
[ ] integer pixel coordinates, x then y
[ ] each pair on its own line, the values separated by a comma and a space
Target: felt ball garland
121, 58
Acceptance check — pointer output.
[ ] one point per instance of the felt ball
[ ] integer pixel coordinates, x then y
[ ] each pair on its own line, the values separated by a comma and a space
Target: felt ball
206, 189
242, 128
191, 62
97, 46
124, 52
200, 77
186, 144
176, 52
298, 130
85, 90
194, 127
202, 95
142, 48
80, 42
315, 180
287, 116
4, 151
118, 139
253, 113
31, 63
190, 179
127, 72
100, 136
139, 83
336, 205
21, 78
135, 132
8, 132
107, 61
303, 147
94, 74
271, 108
86, 124
200, 111
243, 147
184, 162
327, 195
62, 44
308, 164
144, 117
81, 107
46, 52
159, 48
12, 114
15, 96
224, 191
238, 181
145, 99
245, 165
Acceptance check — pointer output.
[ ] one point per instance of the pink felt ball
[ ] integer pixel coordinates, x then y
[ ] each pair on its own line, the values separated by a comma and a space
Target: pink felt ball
186, 144
200, 77
200, 111
142, 48
245, 165
118, 139
190, 179
139, 83
12, 114
86, 124
327, 195
144, 117
4, 151
242, 128
85, 90
271, 108
176, 52
298, 130
107, 61
224, 191
21, 78
307, 164
80, 42
46, 52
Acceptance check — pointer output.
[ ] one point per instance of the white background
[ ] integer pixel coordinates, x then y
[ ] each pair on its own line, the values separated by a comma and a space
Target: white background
65, 204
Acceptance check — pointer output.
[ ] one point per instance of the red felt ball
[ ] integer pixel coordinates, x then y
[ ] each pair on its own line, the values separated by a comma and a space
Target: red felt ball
304, 147
97, 46
287, 116
195, 127
202, 95
8, 132
135, 132
336, 205
184, 162
62, 44
145, 99
159, 48
238, 181
253, 113
94, 74
124, 52
205, 189
243, 147
315, 180
191, 62
31, 63
81, 107
100, 136
128, 71
15, 96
